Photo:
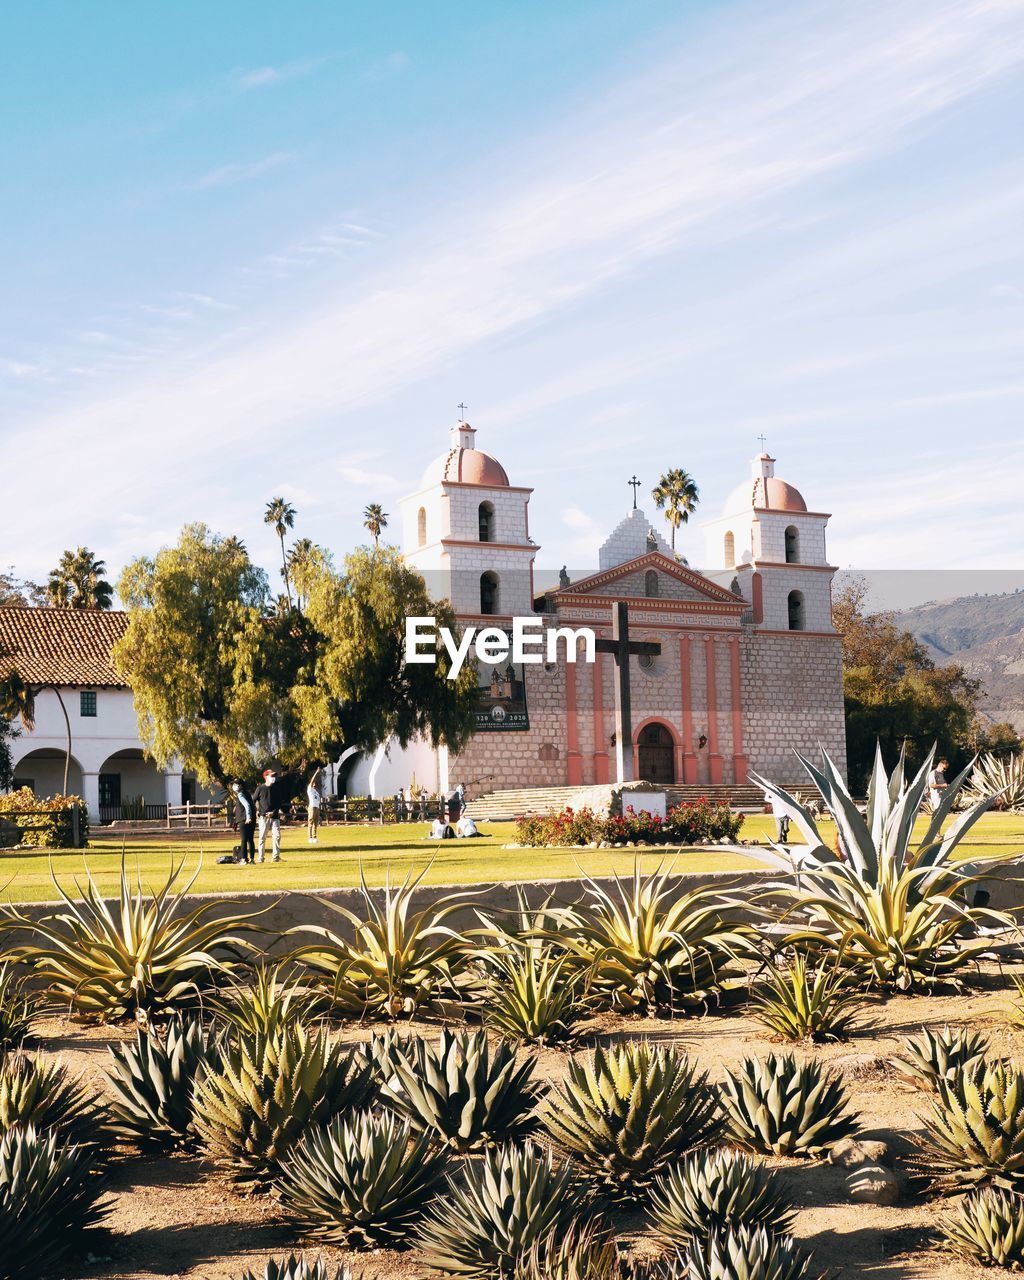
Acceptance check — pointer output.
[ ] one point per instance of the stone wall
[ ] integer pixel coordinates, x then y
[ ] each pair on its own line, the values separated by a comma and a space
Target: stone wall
792, 699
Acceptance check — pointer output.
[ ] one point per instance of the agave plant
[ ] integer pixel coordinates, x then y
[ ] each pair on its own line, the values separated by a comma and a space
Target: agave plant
652, 943
47, 1097
748, 1253
584, 1252
17, 1009
151, 955
626, 1112
265, 1003
897, 915
711, 1190
782, 1107
974, 1132
1000, 778
268, 1090
804, 1003
988, 1228
49, 1195
534, 994
364, 1182
294, 1268
938, 1055
152, 1082
392, 960
488, 1224
463, 1091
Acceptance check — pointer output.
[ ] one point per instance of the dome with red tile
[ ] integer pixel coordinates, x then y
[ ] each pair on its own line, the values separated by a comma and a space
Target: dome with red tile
464, 464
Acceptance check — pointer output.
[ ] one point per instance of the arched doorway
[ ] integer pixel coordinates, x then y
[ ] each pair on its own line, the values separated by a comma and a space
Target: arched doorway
656, 756
42, 771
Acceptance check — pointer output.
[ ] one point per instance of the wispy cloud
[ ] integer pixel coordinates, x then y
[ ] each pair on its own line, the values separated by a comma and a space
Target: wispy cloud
238, 171
270, 76
700, 151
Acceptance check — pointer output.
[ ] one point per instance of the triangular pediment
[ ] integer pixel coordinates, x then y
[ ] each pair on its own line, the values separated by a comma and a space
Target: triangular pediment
626, 582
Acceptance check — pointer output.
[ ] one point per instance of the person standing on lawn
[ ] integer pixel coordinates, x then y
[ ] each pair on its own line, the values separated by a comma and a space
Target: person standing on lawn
937, 783
313, 807
269, 807
245, 821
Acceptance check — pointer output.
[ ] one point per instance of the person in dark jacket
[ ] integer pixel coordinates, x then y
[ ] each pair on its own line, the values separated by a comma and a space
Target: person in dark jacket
270, 807
245, 821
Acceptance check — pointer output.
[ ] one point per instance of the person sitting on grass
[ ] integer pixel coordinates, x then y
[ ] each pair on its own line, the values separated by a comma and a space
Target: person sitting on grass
465, 828
440, 831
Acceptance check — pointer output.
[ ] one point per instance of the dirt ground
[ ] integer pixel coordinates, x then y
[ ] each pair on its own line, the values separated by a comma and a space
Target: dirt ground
175, 1217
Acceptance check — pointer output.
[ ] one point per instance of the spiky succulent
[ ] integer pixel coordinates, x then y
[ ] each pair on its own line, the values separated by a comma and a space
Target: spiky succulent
627, 1111
48, 1196
152, 1082
266, 1003
584, 1252
17, 1009
988, 1228
998, 776
489, 1223
268, 1091
463, 1090
804, 1003
46, 1096
974, 1132
710, 1190
534, 993
748, 1253
364, 1182
149, 955
785, 1108
932, 1056
652, 943
294, 1268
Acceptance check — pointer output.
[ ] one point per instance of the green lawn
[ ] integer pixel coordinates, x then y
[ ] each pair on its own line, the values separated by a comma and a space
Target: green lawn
335, 861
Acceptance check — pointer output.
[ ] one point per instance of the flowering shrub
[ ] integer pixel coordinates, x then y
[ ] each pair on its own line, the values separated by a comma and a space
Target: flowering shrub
685, 824
48, 823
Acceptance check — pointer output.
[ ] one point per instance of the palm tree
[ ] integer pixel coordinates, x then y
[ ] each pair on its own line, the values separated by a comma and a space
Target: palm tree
304, 557
281, 515
78, 582
375, 519
677, 493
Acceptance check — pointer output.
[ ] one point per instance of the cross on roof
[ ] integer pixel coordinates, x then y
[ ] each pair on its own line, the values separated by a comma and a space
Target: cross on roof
636, 485
763, 438
462, 406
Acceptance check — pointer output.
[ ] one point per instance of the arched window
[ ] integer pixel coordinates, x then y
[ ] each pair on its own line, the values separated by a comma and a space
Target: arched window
730, 550
652, 587
792, 545
421, 527
486, 521
488, 592
796, 611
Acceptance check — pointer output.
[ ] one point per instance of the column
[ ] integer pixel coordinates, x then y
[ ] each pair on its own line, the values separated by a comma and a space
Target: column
573, 759
172, 787
714, 759
689, 769
739, 759
91, 794
600, 744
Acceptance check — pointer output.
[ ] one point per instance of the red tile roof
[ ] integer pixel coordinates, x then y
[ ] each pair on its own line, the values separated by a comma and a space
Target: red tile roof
61, 646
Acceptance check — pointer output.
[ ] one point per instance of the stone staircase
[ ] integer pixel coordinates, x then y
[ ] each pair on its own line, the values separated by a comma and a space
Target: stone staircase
503, 806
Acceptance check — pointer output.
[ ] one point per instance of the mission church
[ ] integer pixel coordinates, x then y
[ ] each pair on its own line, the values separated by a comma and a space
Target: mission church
748, 668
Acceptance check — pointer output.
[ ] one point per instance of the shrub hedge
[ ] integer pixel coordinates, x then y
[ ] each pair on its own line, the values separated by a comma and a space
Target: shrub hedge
47, 824
685, 824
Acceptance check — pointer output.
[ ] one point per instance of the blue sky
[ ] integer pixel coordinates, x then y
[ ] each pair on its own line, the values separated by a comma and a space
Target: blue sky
251, 249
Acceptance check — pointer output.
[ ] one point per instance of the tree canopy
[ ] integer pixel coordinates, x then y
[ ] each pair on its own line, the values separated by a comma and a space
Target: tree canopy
223, 681
895, 693
78, 582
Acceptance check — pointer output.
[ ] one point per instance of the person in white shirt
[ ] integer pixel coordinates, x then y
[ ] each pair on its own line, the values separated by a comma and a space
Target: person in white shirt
313, 808
937, 783
465, 828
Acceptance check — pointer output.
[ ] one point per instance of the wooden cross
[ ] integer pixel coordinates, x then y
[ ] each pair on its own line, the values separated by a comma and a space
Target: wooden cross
636, 485
620, 646
461, 406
